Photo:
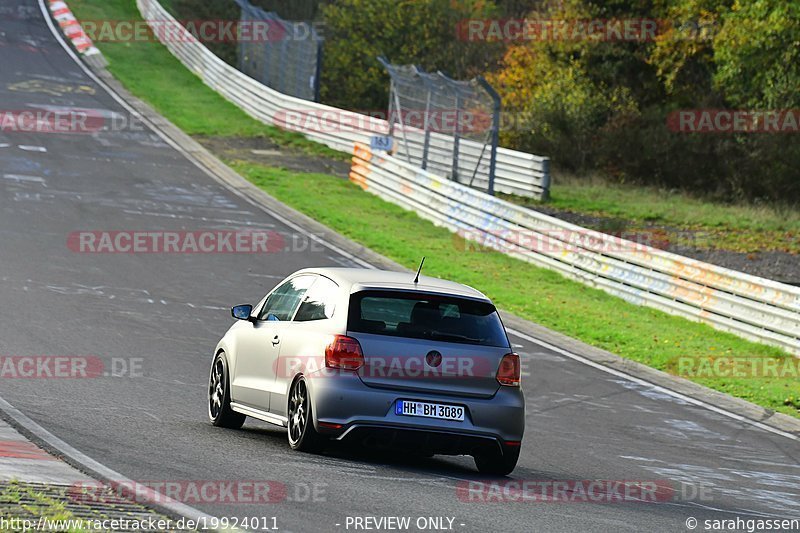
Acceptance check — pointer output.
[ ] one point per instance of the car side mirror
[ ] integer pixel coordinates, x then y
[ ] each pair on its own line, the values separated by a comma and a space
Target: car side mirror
242, 312
273, 318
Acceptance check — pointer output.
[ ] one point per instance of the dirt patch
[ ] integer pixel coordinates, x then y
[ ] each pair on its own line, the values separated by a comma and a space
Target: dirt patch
700, 245
264, 151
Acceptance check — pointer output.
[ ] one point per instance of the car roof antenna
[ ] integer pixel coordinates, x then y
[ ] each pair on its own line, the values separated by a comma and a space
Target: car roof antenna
416, 278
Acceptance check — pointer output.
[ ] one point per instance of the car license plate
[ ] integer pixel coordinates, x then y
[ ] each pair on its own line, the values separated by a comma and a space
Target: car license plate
429, 410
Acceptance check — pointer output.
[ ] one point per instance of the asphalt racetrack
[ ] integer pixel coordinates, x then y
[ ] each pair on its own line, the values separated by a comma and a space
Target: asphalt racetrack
155, 318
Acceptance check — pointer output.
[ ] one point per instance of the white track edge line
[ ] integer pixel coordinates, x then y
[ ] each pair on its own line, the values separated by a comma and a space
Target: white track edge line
150, 496
659, 388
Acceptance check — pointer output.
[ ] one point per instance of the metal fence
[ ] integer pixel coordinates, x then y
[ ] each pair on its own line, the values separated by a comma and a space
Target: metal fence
423, 104
517, 172
751, 307
288, 59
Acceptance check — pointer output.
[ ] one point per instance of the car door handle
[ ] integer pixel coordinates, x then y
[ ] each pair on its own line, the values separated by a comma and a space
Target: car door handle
276, 340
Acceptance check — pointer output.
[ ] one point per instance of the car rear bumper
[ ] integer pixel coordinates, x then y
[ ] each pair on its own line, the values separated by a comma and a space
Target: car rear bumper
351, 410
421, 440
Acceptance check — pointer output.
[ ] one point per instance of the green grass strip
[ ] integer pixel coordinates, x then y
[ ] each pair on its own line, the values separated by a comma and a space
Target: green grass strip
152, 73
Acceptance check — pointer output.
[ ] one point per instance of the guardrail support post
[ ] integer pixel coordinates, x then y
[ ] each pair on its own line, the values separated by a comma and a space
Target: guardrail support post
456, 138
427, 143
318, 70
546, 179
495, 130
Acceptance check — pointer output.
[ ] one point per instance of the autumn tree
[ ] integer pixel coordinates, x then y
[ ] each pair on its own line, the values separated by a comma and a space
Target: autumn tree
423, 32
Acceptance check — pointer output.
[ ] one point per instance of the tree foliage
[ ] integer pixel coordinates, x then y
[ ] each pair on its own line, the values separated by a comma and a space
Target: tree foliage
589, 104
604, 105
422, 32
757, 54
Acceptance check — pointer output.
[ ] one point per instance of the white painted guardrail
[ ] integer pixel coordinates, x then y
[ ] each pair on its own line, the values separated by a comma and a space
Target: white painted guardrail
751, 307
516, 173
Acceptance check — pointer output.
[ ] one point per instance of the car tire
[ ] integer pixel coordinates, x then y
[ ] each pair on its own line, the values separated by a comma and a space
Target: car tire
219, 396
300, 427
498, 463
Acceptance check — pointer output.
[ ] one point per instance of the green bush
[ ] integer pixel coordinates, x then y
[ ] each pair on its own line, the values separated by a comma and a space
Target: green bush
606, 105
589, 105
757, 54
422, 32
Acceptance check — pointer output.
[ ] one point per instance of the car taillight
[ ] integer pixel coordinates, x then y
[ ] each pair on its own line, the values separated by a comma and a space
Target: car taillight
344, 353
509, 372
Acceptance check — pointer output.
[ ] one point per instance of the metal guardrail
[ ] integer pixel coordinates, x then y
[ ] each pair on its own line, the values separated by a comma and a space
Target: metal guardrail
748, 306
517, 172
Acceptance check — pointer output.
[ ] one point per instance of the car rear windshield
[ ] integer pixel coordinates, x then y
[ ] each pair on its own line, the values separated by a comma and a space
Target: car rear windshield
426, 316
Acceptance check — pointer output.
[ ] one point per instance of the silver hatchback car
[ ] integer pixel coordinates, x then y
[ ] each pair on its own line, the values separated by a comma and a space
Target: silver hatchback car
382, 358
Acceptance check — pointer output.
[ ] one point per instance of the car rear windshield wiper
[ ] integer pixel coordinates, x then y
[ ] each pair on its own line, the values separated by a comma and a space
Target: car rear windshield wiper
439, 335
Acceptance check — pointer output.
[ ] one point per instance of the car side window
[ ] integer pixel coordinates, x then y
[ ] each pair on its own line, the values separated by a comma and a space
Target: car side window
319, 302
283, 301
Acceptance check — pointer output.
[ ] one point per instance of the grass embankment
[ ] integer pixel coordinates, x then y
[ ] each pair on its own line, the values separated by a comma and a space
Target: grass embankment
149, 71
67, 508
638, 333
21, 502
700, 223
